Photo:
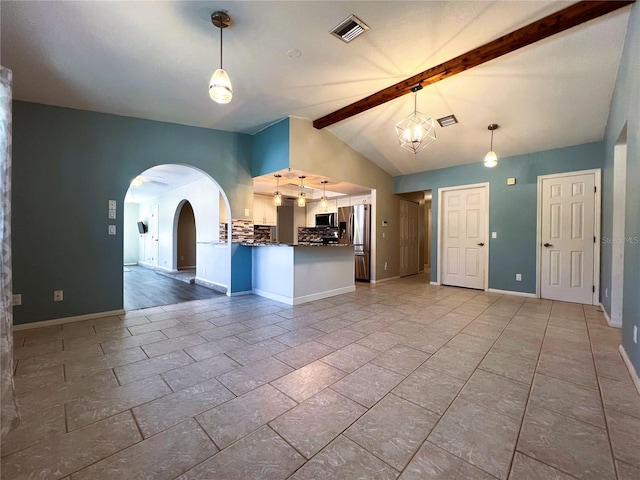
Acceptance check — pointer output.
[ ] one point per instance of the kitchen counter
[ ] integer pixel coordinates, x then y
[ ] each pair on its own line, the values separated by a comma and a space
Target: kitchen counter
297, 245
295, 274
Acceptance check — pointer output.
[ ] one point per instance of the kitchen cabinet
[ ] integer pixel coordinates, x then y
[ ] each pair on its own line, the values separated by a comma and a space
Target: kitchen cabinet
264, 210
312, 209
360, 199
343, 201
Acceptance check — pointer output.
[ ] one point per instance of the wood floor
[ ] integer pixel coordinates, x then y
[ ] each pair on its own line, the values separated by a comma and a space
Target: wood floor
144, 288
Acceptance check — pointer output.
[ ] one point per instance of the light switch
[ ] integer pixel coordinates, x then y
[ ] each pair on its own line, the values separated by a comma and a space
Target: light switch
494, 234
112, 213
112, 229
511, 181
112, 204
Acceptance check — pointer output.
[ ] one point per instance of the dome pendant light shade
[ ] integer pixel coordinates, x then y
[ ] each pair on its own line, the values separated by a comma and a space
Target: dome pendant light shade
416, 132
220, 89
491, 159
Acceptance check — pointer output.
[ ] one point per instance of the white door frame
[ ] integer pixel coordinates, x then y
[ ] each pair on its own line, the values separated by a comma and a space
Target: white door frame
595, 299
441, 192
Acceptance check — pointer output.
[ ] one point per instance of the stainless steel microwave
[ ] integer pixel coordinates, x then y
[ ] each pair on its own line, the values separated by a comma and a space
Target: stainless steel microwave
325, 219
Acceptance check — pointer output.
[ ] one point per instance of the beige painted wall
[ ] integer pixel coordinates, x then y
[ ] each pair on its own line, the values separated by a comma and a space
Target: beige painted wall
321, 153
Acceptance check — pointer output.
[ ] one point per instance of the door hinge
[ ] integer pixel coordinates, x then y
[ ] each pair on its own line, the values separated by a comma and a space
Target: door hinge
595, 189
594, 239
593, 289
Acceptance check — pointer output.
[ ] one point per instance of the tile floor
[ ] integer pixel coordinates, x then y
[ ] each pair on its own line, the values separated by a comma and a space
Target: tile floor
399, 380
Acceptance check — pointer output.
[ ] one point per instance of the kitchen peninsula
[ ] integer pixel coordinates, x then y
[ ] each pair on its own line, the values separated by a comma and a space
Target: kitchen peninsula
295, 274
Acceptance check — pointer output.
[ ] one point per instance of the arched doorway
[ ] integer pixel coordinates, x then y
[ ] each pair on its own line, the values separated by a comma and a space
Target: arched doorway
185, 239
175, 219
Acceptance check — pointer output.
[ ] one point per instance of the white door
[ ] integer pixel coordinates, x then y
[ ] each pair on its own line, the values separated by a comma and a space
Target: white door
464, 225
409, 245
568, 238
154, 230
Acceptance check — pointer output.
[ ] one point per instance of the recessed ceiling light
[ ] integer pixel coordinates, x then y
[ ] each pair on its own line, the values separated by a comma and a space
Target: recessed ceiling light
350, 28
448, 120
293, 53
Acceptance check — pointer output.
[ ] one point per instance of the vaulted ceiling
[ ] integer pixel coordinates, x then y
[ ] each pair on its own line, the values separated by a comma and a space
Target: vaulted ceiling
153, 60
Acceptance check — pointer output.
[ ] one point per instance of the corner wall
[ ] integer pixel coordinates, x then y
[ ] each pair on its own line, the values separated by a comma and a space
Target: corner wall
512, 209
625, 109
322, 153
67, 165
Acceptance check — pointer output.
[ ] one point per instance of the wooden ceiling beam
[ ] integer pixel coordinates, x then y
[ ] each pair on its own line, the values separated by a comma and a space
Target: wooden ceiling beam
560, 21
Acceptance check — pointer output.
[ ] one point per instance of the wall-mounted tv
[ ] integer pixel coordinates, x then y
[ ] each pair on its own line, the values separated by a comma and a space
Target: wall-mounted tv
142, 228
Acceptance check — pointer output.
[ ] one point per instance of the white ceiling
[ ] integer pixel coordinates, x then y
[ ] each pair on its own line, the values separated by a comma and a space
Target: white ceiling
154, 59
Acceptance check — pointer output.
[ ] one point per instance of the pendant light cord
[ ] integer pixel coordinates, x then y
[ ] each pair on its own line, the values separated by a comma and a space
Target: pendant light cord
220, 44
491, 149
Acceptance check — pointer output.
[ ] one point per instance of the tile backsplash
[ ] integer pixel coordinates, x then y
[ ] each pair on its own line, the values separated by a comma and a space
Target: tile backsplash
241, 231
315, 234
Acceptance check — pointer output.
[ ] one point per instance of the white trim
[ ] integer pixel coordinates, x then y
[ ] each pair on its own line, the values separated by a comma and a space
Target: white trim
610, 322
62, 321
385, 279
441, 190
509, 292
595, 298
304, 298
630, 367
218, 287
434, 283
160, 268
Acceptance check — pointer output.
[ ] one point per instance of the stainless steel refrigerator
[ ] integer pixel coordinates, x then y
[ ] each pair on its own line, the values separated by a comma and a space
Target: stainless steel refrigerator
354, 226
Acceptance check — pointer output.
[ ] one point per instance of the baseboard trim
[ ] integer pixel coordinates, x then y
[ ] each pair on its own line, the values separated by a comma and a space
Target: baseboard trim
382, 280
218, 287
62, 321
437, 284
509, 292
610, 322
304, 298
630, 367
156, 267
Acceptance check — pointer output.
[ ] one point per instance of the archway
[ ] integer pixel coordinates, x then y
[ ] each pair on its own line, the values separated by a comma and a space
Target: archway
159, 205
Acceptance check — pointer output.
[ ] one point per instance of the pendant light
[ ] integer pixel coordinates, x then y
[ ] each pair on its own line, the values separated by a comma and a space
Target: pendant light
302, 200
491, 159
277, 196
323, 200
416, 132
220, 89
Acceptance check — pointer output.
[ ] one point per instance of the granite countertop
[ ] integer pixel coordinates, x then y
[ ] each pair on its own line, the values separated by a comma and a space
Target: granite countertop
296, 245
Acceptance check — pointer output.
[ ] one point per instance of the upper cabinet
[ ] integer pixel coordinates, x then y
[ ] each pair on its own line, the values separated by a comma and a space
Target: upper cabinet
264, 210
360, 199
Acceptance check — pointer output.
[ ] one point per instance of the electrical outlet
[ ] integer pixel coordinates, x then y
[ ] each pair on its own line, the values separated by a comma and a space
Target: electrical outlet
17, 299
635, 334
57, 295
386, 265
518, 277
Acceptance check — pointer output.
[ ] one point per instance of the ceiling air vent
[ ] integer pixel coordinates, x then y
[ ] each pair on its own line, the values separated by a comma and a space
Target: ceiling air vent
448, 120
349, 28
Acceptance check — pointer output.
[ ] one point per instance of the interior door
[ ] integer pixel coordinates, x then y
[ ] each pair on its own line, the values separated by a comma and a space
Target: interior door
409, 254
464, 225
568, 238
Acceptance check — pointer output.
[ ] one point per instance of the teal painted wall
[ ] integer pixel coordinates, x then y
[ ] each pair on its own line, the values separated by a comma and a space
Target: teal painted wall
67, 164
512, 209
270, 149
625, 109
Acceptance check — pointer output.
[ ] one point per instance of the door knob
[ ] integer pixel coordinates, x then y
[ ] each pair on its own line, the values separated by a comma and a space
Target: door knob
481, 244
548, 245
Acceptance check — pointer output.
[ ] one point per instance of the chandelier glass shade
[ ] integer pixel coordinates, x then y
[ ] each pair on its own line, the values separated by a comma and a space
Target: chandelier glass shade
491, 159
220, 89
